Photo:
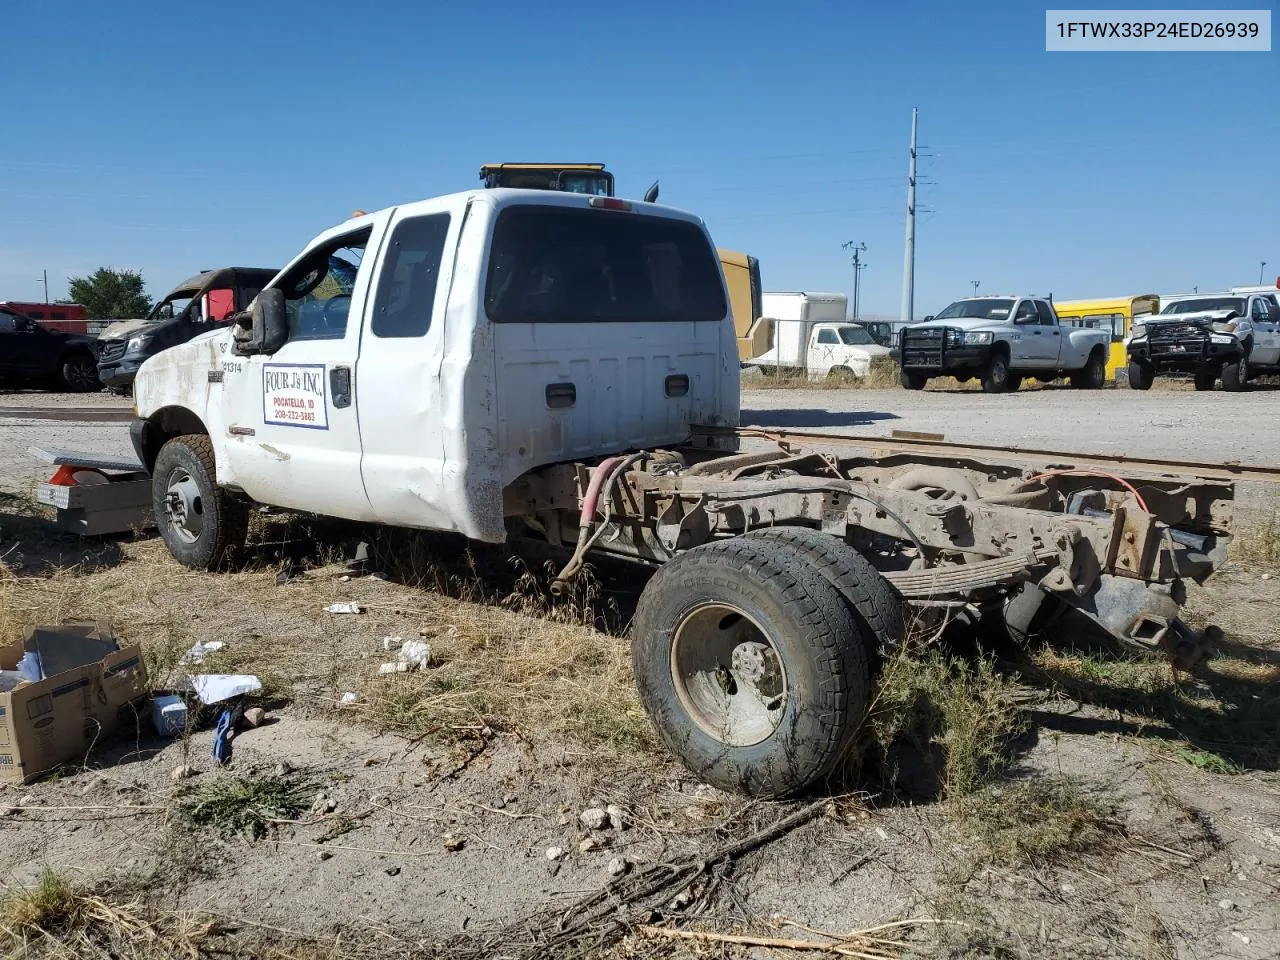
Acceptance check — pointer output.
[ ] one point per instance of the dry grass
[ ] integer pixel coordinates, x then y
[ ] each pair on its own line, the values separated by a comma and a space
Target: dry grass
1258, 541
494, 665
58, 919
1038, 821
940, 725
882, 376
1226, 720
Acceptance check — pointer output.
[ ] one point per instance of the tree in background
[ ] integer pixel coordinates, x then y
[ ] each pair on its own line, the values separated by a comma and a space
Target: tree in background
111, 294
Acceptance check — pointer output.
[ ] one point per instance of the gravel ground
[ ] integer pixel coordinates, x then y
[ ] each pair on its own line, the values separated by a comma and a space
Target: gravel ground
1214, 427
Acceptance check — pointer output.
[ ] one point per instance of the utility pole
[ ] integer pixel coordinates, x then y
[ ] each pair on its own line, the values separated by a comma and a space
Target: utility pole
909, 253
858, 266
45, 280
975, 286
1261, 270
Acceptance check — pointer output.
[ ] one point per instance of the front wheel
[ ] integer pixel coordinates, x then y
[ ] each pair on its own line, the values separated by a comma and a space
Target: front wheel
1093, 376
997, 378
1235, 376
202, 525
751, 665
80, 374
1141, 375
1204, 380
912, 381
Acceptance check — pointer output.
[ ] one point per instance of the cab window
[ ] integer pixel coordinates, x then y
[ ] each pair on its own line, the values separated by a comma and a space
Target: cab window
1026, 311
1260, 310
8, 322
828, 336
1045, 312
318, 290
407, 285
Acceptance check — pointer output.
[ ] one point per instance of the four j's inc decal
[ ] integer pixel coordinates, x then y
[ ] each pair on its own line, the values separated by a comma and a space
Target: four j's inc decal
293, 395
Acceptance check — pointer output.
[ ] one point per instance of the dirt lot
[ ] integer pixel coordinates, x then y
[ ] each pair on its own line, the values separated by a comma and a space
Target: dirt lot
1009, 802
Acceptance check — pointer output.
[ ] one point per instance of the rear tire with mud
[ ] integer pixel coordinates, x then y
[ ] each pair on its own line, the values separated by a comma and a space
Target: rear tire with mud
751, 665
203, 526
874, 603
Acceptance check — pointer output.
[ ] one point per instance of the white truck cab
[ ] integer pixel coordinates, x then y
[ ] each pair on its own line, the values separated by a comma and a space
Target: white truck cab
409, 364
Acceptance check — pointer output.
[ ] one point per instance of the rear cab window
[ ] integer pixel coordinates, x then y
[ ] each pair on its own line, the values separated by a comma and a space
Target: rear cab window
557, 264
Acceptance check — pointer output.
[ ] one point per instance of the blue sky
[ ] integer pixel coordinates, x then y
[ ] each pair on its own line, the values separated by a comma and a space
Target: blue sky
161, 138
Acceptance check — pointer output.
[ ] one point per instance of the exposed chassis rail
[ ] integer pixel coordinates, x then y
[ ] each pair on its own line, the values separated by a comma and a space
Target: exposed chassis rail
909, 442
946, 524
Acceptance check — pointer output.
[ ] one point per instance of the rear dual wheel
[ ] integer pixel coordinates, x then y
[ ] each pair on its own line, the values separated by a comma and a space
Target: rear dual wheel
753, 665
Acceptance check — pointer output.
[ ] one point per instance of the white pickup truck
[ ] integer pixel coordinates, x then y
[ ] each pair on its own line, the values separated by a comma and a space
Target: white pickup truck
1000, 340
1234, 336
537, 364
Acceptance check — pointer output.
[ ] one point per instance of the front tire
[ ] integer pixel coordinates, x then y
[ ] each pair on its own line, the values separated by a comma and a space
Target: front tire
1235, 376
79, 374
912, 381
1205, 380
750, 665
1141, 375
1093, 376
997, 377
202, 525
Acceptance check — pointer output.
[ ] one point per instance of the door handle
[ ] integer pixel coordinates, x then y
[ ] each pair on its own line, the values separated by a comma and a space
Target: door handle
1057, 333
340, 386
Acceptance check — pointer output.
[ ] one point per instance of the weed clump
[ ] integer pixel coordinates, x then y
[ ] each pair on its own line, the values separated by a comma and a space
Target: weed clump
941, 726
1038, 821
248, 807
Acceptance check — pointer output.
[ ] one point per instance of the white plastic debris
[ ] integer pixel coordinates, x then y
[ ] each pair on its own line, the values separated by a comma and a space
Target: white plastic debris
392, 643
201, 649
344, 608
215, 687
347, 699
396, 666
416, 653
555, 853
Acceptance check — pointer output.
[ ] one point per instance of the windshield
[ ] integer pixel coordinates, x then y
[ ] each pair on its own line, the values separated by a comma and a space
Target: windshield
173, 306
856, 337
979, 309
1206, 303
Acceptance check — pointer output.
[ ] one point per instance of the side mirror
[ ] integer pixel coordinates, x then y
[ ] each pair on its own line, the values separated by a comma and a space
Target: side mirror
928, 318
651, 195
269, 322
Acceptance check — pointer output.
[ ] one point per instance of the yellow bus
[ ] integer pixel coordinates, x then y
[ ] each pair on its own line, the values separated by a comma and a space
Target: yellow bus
1115, 314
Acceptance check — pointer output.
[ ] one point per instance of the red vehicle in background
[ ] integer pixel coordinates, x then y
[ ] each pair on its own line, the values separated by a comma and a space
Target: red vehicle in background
67, 317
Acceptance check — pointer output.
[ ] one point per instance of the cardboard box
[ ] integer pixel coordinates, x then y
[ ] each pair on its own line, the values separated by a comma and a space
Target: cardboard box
63, 717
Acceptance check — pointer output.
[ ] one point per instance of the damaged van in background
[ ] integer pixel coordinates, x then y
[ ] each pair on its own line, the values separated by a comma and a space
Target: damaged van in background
198, 305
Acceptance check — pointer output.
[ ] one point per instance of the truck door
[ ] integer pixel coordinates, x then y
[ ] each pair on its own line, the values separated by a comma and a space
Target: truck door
1266, 332
1051, 332
823, 346
293, 436
399, 401
1033, 347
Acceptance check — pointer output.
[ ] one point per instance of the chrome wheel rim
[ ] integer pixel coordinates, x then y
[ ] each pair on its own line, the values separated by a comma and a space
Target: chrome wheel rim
184, 506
